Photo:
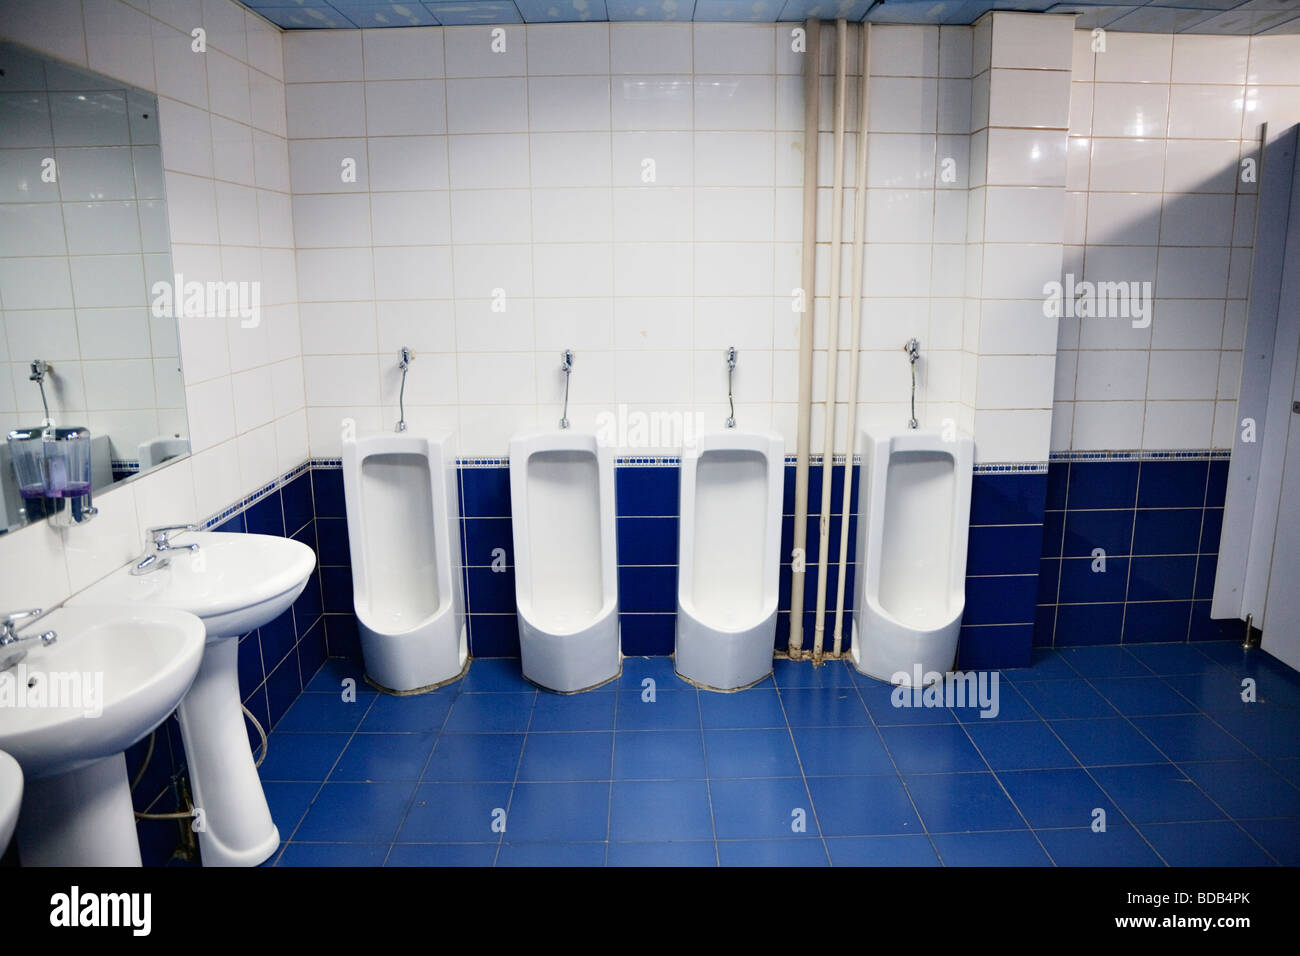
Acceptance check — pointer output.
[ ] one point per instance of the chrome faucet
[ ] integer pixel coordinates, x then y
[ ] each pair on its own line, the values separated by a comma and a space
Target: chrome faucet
153, 560
10, 624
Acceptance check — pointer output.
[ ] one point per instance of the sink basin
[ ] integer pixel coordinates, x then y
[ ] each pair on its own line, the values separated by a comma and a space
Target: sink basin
113, 675
233, 583
11, 797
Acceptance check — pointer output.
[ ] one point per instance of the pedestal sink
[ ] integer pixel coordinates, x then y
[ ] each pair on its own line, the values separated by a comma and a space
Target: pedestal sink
11, 797
113, 675
233, 583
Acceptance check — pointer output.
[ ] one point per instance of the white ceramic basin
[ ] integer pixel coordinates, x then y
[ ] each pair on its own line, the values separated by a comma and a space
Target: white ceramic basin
119, 672
234, 582
74, 706
11, 797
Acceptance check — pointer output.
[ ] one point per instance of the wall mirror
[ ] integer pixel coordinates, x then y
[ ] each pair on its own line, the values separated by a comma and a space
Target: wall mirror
91, 391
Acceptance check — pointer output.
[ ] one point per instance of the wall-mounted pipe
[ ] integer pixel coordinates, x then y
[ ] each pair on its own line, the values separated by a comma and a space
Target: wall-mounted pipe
832, 347
808, 262
855, 313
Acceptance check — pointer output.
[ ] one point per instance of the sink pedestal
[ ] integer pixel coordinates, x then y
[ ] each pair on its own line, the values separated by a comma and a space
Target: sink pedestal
80, 818
236, 827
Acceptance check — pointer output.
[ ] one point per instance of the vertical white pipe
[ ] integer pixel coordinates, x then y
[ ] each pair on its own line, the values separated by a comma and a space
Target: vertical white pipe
855, 311
832, 347
803, 419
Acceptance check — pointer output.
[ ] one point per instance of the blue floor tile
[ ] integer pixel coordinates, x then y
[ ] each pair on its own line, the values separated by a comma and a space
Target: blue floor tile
301, 756
1205, 844
1008, 848
1023, 745
567, 756
1155, 793
442, 854
669, 710
334, 854
1270, 734
558, 812
837, 751
789, 674
862, 806
330, 676
882, 704
490, 713
325, 713
1279, 838
1216, 691
384, 757
750, 753
495, 675
660, 810
288, 802
355, 813
574, 712
1167, 659
882, 851
824, 707
663, 854
1105, 741
787, 852
1142, 696
421, 713
659, 755
636, 670
1057, 699
958, 802
942, 748
1246, 789
1288, 767
456, 813
475, 757
1009, 703
552, 854
1118, 845
1046, 664
744, 709
1190, 737
1057, 798
766, 808
1105, 660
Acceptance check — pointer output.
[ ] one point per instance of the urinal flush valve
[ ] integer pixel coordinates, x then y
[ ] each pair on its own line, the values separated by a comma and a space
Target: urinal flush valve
913, 349
566, 366
731, 401
405, 357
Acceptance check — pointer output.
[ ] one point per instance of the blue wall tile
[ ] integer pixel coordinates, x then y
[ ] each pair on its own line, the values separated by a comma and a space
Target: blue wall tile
1211, 530
1206, 628
296, 500
647, 635
327, 492
1110, 530
1167, 531
647, 589
491, 592
494, 635
485, 492
483, 536
1007, 498
1173, 484
336, 589
332, 542
266, 516
1080, 584
341, 635
1156, 622
1216, 489
1001, 599
1004, 549
1104, 484
647, 540
1007, 645
1163, 578
648, 492
1078, 624
1058, 479
1053, 533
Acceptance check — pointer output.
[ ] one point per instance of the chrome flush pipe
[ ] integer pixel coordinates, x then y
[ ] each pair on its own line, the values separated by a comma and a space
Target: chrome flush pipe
731, 368
405, 358
566, 366
41, 368
913, 349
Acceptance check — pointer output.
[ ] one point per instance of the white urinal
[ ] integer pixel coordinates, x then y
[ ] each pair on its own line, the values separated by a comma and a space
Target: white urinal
729, 558
404, 535
566, 563
913, 518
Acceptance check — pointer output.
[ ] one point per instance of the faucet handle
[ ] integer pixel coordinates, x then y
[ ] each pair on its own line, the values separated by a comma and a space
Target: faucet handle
161, 533
13, 617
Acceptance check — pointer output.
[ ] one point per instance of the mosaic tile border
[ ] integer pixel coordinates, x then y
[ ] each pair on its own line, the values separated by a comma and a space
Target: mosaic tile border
1187, 454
